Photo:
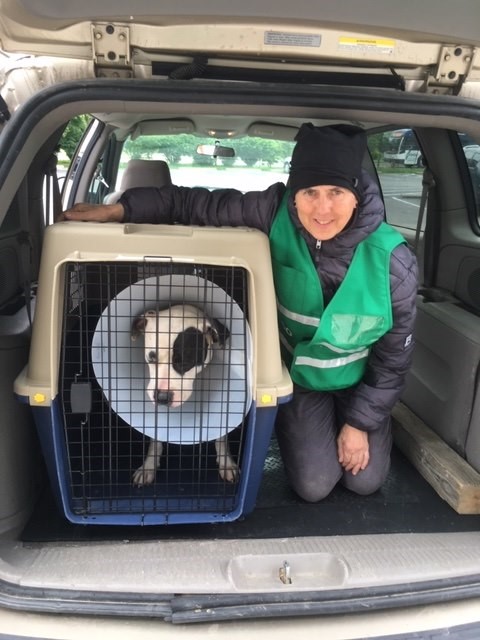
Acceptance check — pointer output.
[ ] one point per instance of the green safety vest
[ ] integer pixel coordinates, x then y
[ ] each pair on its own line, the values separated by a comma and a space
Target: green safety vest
327, 348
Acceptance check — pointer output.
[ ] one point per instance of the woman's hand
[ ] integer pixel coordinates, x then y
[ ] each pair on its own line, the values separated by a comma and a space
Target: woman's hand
85, 212
353, 449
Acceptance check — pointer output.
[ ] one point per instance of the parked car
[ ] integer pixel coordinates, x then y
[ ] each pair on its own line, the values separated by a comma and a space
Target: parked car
82, 552
472, 152
401, 147
413, 158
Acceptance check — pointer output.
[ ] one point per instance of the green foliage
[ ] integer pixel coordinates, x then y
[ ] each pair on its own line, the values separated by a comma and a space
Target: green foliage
72, 134
253, 150
376, 145
173, 148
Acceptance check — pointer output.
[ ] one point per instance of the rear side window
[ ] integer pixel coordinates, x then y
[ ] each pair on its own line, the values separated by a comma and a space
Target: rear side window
398, 161
471, 151
399, 164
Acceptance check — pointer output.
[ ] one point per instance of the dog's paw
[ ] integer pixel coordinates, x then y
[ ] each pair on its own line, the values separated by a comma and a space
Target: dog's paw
143, 476
228, 469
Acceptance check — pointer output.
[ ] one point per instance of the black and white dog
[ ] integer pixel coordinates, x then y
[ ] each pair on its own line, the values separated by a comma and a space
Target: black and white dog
178, 346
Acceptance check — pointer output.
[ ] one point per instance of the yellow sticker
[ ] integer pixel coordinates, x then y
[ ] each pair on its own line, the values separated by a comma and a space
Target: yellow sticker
266, 398
39, 398
386, 44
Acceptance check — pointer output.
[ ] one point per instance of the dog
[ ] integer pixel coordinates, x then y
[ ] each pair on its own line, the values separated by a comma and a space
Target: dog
178, 346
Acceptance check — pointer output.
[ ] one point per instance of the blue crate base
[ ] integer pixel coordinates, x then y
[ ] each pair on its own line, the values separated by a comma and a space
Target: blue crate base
106, 495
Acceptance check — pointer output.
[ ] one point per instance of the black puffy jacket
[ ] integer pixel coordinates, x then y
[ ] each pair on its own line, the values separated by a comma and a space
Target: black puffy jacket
372, 400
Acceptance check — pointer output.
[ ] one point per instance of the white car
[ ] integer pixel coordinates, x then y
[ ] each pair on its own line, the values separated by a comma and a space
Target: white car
212, 94
472, 152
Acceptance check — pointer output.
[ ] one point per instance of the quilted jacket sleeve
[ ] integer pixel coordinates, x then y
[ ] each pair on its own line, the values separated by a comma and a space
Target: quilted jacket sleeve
199, 206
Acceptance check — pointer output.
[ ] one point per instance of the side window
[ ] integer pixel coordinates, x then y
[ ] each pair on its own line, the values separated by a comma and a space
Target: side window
73, 160
472, 157
399, 164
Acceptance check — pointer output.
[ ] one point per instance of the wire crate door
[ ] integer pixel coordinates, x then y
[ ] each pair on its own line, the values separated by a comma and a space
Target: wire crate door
109, 416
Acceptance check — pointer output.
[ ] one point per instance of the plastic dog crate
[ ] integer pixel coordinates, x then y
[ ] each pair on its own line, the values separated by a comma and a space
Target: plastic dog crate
87, 380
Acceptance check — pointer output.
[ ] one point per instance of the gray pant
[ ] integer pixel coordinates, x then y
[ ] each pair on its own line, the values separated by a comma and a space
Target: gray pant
307, 429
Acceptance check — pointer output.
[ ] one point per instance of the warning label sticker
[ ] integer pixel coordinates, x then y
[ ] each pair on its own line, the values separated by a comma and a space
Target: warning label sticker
384, 45
286, 39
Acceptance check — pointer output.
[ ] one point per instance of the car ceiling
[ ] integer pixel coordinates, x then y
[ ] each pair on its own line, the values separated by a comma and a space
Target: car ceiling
214, 126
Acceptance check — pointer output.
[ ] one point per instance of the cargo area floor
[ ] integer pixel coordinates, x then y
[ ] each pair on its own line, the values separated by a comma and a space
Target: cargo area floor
405, 504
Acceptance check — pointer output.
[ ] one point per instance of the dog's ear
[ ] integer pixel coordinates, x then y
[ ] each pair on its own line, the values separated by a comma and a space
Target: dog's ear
139, 324
218, 332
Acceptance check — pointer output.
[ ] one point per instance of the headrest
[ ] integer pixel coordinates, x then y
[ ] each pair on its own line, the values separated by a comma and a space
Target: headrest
145, 173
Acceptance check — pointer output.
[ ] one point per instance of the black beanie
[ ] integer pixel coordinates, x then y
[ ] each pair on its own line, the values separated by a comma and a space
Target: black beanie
328, 155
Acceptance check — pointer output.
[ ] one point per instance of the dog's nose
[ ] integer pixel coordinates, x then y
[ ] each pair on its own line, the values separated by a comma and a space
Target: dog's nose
165, 397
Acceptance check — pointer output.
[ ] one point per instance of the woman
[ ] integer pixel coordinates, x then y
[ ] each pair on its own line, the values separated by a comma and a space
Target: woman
346, 287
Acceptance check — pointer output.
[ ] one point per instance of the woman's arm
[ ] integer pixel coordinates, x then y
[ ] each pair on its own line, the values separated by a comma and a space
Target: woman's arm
85, 212
183, 205
199, 206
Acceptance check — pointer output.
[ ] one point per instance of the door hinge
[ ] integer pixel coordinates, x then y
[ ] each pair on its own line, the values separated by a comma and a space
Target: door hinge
111, 50
453, 69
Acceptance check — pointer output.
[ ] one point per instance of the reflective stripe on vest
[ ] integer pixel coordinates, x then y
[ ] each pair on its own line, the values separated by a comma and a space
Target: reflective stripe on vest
328, 348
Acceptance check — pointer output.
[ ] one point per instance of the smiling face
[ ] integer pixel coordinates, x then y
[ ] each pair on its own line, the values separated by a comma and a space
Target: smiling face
325, 210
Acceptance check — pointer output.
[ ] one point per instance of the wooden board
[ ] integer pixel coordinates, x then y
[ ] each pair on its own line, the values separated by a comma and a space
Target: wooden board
448, 473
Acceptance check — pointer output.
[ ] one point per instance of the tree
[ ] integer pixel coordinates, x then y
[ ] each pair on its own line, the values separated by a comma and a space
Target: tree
376, 145
72, 134
172, 148
252, 150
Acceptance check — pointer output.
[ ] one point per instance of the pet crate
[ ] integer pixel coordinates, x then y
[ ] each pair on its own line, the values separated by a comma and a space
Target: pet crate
87, 381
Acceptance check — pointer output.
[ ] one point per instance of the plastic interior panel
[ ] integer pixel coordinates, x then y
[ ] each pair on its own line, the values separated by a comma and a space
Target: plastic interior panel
442, 382
472, 447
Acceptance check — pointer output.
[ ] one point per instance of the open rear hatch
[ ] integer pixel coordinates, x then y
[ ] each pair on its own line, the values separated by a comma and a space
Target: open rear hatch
401, 547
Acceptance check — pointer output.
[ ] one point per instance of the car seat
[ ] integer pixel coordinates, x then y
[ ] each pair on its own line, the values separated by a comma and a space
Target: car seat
141, 173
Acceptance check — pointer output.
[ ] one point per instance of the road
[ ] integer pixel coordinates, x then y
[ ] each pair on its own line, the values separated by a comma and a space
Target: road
402, 194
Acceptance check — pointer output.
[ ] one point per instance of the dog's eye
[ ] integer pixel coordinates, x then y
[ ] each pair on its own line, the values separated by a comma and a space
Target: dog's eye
151, 357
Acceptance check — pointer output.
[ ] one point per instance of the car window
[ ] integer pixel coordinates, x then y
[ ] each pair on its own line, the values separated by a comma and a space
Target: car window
257, 163
399, 165
471, 152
